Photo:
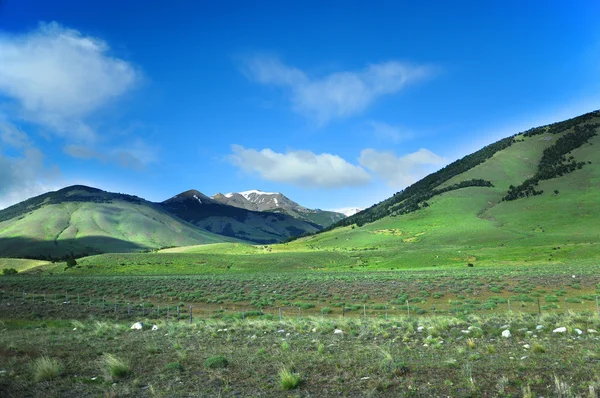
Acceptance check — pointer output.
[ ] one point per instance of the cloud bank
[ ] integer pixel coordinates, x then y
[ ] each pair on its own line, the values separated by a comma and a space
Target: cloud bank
300, 168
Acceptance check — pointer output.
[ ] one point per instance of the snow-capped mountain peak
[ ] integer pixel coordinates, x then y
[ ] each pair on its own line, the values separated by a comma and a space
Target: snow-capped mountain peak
348, 211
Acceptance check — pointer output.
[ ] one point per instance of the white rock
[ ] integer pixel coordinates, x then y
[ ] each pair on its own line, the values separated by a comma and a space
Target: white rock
465, 331
365, 378
506, 333
155, 327
539, 327
425, 345
522, 358
338, 331
573, 276
281, 331
527, 346
592, 331
420, 329
529, 332
561, 329
137, 326
253, 336
314, 330
578, 331
74, 328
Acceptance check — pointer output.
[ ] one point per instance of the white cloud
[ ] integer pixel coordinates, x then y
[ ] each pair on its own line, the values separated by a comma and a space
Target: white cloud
399, 172
57, 77
300, 168
23, 174
339, 94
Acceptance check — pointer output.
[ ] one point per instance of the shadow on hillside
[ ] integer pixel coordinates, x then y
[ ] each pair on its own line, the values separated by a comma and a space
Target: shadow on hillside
21, 247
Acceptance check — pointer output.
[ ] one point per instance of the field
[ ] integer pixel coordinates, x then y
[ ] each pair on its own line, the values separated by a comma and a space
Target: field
421, 357
422, 302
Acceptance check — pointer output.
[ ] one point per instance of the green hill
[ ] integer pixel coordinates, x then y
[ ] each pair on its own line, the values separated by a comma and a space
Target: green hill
465, 213
81, 220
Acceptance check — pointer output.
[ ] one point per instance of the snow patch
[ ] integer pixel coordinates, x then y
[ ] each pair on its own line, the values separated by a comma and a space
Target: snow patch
246, 194
348, 211
198, 199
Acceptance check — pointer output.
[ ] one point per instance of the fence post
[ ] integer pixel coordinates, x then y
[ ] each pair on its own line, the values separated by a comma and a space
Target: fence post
386, 312
191, 316
128, 309
597, 309
45, 297
177, 311
407, 308
343, 310
300, 310
566, 306
66, 298
539, 307
78, 299
364, 310
279, 314
168, 311
508, 305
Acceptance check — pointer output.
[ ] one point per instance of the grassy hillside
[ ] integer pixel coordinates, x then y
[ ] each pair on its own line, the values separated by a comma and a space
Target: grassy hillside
79, 220
460, 218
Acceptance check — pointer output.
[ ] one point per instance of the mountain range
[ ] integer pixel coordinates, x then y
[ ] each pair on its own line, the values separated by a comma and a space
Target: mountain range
531, 197
276, 202
80, 220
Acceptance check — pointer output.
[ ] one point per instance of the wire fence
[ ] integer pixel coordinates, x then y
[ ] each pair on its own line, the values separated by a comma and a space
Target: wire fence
42, 304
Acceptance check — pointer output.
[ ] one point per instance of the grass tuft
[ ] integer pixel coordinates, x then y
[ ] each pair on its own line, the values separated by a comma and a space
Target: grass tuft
289, 380
45, 368
116, 367
216, 362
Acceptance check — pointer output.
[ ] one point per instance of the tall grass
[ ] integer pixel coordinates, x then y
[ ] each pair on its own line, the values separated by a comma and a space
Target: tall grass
115, 367
45, 368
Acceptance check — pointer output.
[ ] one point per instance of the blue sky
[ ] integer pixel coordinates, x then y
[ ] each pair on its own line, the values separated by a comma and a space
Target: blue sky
334, 104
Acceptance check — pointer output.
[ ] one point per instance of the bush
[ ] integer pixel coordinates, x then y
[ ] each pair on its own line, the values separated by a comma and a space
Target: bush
45, 368
216, 362
9, 271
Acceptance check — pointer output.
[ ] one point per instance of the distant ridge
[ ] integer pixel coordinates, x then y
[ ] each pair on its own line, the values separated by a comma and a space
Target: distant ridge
257, 200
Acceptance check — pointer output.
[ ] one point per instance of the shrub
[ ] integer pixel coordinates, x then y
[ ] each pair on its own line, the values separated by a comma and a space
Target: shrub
9, 271
45, 368
538, 348
288, 380
177, 366
116, 367
216, 362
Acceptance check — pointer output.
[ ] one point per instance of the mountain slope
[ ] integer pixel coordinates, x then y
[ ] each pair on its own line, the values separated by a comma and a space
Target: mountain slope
79, 219
276, 202
460, 214
235, 221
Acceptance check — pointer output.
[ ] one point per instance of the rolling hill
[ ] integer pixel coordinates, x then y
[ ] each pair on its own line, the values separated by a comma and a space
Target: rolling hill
276, 202
80, 220
234, 221
529, 198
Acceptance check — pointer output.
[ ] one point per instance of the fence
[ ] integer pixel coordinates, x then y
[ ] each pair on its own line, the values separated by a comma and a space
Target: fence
76, 306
